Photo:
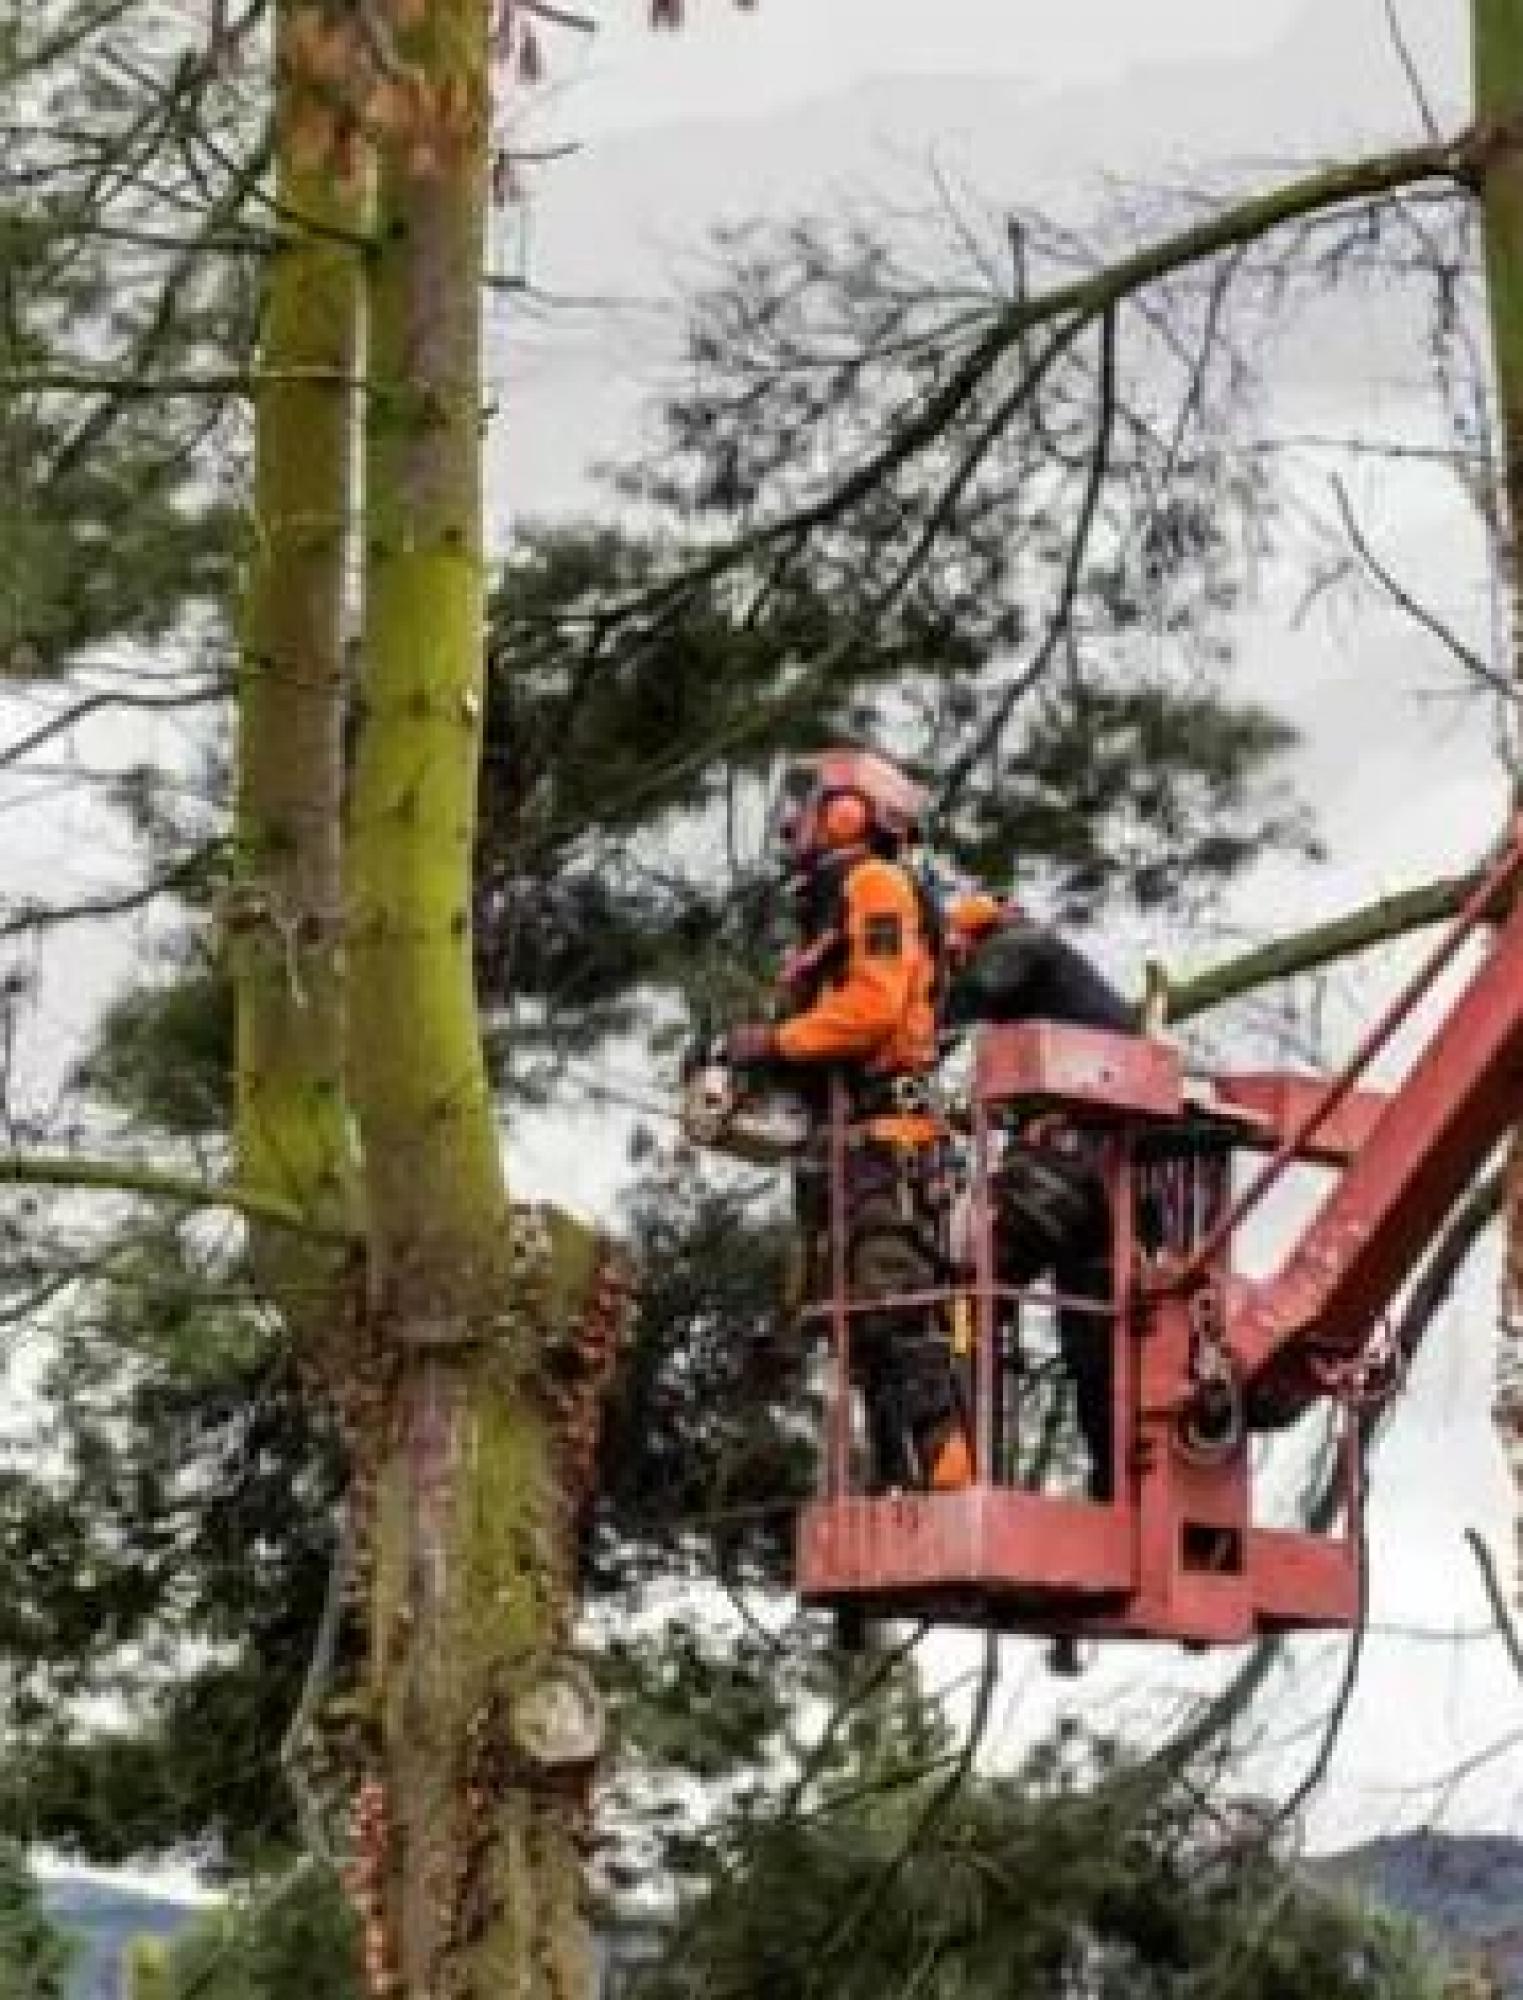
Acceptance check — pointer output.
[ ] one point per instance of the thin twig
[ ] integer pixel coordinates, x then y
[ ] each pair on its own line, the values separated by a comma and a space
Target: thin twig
1506, 1625
987, 740
1094, 295
28, 918
872, 1898
215, 383
92, 704
1290, 1807
314, 1687
66, 41
1409, 66
561, 17
1418, 612
132, 1177
856, 1696
993, 429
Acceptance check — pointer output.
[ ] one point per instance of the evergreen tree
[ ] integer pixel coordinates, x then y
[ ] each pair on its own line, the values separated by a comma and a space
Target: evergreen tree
126, 259
292, 1934
1085, 1872
34, 1955
978, 435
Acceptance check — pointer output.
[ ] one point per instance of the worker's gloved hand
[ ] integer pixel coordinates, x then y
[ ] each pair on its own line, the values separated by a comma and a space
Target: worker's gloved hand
800, 969
750, 1045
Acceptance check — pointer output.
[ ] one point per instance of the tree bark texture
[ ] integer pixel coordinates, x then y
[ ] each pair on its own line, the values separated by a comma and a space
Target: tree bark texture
1497, 40
467, 1869
284, 915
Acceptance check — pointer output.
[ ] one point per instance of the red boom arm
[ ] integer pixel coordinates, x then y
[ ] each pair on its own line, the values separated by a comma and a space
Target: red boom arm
1463, 1093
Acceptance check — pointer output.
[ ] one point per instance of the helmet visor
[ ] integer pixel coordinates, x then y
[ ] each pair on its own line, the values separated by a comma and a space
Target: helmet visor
793, 809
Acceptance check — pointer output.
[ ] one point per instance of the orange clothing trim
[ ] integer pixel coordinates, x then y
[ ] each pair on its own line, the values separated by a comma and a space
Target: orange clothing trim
952, 1467
909, 1129
974, 915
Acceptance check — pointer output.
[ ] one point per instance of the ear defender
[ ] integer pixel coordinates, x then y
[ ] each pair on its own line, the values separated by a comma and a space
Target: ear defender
844, 820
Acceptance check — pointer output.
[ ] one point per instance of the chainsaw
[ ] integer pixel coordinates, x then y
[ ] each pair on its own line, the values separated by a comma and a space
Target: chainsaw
743, 1114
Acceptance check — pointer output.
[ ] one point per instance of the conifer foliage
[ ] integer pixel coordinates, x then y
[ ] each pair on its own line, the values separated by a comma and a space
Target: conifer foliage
317, 1480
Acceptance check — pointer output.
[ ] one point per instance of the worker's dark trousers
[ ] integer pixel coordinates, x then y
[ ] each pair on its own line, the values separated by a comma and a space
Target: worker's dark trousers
1052, 1219
1084, 1342
900, 1357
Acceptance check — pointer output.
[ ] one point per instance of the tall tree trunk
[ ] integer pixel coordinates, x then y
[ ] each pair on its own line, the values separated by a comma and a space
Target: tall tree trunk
1497, 37
292, 1130
468, 1871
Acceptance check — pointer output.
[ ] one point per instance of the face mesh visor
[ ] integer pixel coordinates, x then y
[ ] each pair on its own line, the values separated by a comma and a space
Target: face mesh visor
795, 795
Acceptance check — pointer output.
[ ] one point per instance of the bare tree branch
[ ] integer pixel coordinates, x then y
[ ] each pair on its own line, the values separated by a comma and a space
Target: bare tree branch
29, 917
1409, 67
31, 61
986, 741
879, 1671
871, 1900
1427, 1297
1456, 161
946, 503
1337, 1715
1486, 1563
130, 1177
1309, 950
561, 17
147, 388
319, 1672
1418, 612
92, 704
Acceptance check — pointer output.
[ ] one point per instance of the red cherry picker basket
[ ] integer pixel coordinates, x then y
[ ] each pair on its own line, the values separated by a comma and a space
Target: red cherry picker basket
1201, 1358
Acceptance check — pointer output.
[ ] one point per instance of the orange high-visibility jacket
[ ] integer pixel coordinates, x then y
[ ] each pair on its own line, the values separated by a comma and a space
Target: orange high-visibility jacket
878, 1009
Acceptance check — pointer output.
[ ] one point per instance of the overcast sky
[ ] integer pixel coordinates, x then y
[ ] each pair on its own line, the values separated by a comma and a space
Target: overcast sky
810, 103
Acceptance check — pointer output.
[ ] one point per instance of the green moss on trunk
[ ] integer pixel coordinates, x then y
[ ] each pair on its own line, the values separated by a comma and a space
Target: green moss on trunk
472, 1610
472, 1605
433, 1179
475, 1860
292, 1130
1497, 37
1498, 57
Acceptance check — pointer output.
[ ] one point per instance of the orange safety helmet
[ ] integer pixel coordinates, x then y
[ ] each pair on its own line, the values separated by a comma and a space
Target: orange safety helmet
972, 917
844, 798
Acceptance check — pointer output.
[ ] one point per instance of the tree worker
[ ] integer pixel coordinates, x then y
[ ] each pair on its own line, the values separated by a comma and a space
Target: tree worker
1051, 1213
859, 1002
1004, 966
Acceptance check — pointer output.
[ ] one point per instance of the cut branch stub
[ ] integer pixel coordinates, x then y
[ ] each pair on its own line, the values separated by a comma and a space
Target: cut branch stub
557, 1724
